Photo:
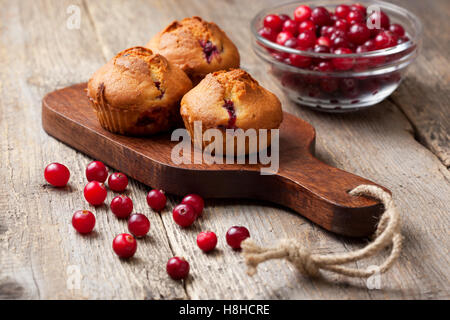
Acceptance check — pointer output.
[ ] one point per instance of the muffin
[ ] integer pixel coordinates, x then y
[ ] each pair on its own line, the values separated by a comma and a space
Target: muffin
138, 92
196, 46
231, 100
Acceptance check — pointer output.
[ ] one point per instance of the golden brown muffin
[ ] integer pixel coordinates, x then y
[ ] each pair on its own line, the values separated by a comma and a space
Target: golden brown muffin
196, 46
231, 100
137, 92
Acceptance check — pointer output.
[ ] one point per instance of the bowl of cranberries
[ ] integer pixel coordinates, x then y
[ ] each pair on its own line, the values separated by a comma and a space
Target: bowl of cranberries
336, 56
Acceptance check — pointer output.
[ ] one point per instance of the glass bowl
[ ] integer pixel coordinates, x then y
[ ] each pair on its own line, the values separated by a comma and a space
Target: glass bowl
369, 77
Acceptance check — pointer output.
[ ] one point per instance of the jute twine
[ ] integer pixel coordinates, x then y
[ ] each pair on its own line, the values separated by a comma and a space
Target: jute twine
309, 264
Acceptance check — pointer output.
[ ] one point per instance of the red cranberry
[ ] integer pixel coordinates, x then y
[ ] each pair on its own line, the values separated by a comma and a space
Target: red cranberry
207, 241
307, 25
268, 34
402, 40
57, 174
342, 11
370, 45
342, 24
291, 43
320, 16
327, 31
324, 41
284, 17
124, 245
177, 268
324, 66
329, 85
355, 16
340, 42
299, 61
397, 29
196, 202
379, 20
83, 221
283, 36
273, 22
280, 56
358, 33
321, 49
235, 235
118, 182
156, 199
306, 39
302, 13
138, 225
359, 7
95, 193
184, 215
121, 206
96, 171
385, 39
291, 26
343, 64
349, 86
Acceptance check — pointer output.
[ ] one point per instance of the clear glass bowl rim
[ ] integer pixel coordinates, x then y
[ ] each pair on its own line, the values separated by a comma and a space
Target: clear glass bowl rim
376, 53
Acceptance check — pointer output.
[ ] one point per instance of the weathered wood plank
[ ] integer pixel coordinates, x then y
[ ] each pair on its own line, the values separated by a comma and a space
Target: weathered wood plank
377, 144
37, 242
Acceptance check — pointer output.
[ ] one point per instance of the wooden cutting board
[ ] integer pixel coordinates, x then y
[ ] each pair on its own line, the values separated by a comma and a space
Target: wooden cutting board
303, 183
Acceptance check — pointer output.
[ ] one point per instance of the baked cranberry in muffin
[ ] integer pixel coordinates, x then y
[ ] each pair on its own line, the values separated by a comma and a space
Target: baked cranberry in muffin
196, 46
231, 100
137, 92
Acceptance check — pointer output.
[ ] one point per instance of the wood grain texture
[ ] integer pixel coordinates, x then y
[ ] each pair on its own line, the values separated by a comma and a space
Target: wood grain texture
38, 54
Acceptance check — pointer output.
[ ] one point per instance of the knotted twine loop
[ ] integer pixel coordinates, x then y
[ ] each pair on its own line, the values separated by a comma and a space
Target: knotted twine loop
308, 264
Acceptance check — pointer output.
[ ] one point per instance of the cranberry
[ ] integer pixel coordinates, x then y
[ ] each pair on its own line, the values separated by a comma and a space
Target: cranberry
177, 268
83, 221
124, 245
302, 13
121, 206
117, 182
284, 17
96, 171
95, 193
359, 7
184, 215
385, 39
268, 34
306, 39
196, 202
138, 224
358, 33
379, 20
291, 43
57, 174
340, 42
324, 66
320, 16
402, 40
329, 85
280, 56
283, 36
324, 41
342, 11
327, 31
355, 16
307, 25
321, 49
235, 235
156, 199
291, 26
397, 29
207, 241
342, 24
370, 45
349, 86
299, 61
273, 22
343, 64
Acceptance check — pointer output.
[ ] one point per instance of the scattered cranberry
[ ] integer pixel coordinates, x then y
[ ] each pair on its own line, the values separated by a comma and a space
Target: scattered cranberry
273, 22
291, 26
156, 199
307, 25
207, 241
283, 36
320, 16
96, 171
138, 225
177, 268
268, 33
397, 29
83, 221
184, 215
235, 235
355, 16
302, 13
358, 33
342, 11
57, 174
196, 202
95, 193
124, 245
342, 64
118, 182
121, 206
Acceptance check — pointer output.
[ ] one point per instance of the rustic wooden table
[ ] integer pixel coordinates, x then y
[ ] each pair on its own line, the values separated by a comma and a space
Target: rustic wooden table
403, 144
